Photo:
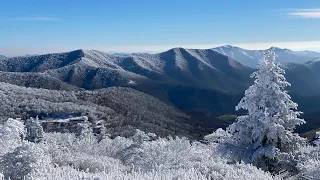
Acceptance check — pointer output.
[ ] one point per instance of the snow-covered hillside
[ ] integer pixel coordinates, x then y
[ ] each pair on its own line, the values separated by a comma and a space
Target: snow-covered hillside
37, 80
93, 69
122, 110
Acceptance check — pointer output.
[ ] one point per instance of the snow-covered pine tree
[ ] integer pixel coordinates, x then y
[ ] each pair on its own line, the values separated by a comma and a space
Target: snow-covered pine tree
84, 129
34, 130
102, 133
265, 134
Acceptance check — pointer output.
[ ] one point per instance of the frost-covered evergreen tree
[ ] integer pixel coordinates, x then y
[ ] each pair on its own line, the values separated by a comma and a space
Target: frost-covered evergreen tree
102, 133
34, 130
265, 133
84, 129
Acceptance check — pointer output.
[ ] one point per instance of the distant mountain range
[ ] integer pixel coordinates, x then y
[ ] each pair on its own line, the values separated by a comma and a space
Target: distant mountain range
206, 69
203, 69
203, 83
251, 57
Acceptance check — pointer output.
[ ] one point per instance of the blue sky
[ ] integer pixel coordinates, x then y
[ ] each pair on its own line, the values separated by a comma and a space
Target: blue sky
38, 26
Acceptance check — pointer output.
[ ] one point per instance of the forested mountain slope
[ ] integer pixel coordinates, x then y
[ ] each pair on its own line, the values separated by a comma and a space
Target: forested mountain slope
122, 110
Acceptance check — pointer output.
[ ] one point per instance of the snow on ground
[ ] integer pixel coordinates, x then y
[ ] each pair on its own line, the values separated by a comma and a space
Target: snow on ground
180, 61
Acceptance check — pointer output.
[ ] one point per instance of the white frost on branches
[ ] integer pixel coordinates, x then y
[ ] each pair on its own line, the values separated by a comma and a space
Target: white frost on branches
34, 130
141, 157
267, 129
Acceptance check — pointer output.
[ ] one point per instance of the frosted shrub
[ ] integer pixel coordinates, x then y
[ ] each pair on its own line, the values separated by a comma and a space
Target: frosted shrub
218, 136
309, 162
114, 147
140, 157
165, 153
24, 160
11, 135
90, 163
227, 172
310, 169
84, 154
143, 156
222, 170
34, 130
140, 136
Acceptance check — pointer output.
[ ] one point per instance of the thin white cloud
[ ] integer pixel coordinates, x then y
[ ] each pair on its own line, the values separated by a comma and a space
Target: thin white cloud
304, 13
34, 19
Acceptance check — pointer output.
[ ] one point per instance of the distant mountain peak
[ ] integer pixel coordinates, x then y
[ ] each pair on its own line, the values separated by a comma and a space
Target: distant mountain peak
176, 49
81, 51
